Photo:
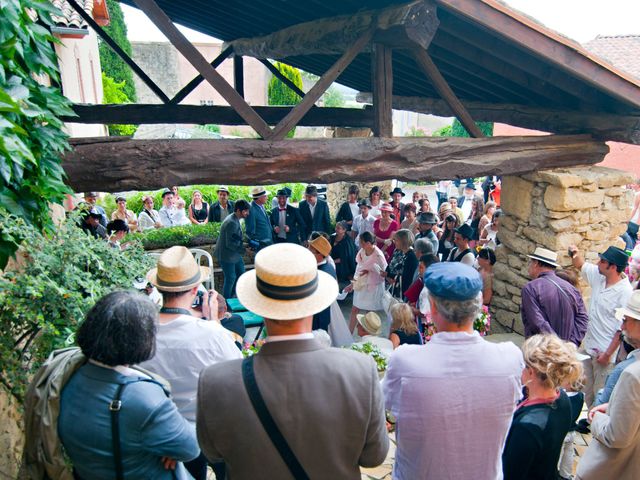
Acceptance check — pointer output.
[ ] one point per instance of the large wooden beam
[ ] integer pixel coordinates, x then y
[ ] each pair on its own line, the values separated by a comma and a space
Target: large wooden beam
120, 164
201, 114
202, 66
601, 126
406, 25
444, 90
291, 120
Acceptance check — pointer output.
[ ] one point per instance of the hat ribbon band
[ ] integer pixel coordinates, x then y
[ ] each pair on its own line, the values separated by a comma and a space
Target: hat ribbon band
188, 281
296, 292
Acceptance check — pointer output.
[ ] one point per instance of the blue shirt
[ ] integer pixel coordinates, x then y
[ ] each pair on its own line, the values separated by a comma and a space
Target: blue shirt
605, 394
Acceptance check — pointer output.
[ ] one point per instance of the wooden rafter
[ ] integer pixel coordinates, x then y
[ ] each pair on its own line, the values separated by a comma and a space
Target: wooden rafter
600, 125
272, 68
444, 90
191, 86
238, 75
290, 121
220, 115
119, 164
195, 58
121, 53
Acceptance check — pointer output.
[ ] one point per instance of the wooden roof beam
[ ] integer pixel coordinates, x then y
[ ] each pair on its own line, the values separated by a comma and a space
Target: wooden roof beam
406, 25
601, 126
118, 163
202, 66
444, 90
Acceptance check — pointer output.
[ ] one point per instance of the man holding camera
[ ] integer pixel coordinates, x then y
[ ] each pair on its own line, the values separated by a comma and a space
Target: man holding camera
230, 247
187, 340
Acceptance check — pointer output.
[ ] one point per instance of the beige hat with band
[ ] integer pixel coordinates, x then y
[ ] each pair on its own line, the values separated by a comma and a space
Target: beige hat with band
370, 322
321, 245
632, 308
177, 271
286, 284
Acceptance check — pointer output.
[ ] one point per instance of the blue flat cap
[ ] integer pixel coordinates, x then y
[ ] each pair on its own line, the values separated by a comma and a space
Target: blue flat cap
453, 281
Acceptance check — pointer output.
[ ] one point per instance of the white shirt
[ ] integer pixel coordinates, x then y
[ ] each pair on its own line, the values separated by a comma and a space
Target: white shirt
285, 338
453, 400
355, 209
312, 208
184, 347
603, 323
468, 258
361, 225
466, 207
167, 215
146, 221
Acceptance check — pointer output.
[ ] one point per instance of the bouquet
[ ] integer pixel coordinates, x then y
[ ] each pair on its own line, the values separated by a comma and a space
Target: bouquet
249, 349
481, 324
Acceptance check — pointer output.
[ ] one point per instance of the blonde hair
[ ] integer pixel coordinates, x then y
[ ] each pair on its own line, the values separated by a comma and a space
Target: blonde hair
180, 203
554, 361
402, 319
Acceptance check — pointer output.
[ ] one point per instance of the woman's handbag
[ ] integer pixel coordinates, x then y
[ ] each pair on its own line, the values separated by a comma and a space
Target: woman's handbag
388, 300
359, 283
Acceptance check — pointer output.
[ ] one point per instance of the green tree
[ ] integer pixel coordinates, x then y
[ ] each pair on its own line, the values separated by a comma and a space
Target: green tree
278, 93
113, 94
31, 134
110, 62
333, 98
457, 130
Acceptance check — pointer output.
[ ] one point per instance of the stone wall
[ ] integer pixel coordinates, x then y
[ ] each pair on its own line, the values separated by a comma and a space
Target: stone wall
11, 436
585, 206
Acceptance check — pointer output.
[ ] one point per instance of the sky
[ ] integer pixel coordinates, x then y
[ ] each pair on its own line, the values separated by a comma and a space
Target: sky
581, 20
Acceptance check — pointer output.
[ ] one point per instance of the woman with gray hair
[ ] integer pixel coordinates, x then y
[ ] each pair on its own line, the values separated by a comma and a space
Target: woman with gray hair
116, 421
403, 263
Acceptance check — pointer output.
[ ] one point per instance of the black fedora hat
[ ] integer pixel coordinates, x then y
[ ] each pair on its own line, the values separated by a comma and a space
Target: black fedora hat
616, 256
465, 230
428, 218
397, 190
364, 203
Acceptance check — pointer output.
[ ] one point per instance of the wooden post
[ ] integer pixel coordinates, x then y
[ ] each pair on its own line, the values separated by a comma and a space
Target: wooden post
195, 58
238, 74
444, 90
382, 82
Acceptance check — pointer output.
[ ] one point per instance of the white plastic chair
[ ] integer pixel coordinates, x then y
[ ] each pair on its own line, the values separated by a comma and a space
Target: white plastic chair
199, 254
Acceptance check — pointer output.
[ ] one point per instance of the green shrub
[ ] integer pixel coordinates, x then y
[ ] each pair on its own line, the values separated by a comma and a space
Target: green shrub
41, 305
185, 235
209, 193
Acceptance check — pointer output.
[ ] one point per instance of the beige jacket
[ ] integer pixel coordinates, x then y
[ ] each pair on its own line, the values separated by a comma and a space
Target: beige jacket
327, 403
614, 452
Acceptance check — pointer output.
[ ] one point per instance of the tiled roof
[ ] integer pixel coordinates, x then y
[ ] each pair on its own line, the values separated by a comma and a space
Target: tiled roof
622, 51
70, 18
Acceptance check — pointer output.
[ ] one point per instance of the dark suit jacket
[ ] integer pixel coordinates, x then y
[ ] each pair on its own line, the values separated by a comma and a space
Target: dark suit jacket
326, 402
320, 221
215, 211
294, 221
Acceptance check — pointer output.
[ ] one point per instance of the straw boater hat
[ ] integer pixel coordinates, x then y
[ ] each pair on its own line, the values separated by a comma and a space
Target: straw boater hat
370, 322
286, 284
257, 192
632, 309
177, 271
222, 188
386, 208
322, 246
545, 256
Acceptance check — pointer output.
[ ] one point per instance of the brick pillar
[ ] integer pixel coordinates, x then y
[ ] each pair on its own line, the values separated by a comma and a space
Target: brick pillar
553, 209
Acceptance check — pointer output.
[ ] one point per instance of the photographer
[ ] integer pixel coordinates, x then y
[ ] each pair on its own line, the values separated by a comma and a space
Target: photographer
185, 344
230, 248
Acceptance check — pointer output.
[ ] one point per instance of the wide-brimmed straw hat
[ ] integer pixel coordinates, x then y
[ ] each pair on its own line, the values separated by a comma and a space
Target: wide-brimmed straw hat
257, 192
322, 245
545, 256
632, 309
370, 322
286, 284
177, 271
222, 188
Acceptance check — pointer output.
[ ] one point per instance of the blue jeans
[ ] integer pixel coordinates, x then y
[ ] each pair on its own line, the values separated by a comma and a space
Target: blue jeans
231, 272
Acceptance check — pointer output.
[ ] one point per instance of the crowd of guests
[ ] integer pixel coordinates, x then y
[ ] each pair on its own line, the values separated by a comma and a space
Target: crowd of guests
463, 407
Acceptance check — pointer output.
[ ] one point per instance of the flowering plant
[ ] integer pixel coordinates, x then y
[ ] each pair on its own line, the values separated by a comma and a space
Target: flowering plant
481, 324
249, 349
373, 351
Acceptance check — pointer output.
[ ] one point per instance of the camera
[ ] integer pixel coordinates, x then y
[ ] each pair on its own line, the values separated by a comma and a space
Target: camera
197, 302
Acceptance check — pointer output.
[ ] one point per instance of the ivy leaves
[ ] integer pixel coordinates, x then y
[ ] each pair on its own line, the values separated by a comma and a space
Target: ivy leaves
31, 134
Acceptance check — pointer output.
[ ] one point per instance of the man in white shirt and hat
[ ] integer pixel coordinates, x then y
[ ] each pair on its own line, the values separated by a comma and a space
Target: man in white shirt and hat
369, 328
321, 406
186, 343
454, 397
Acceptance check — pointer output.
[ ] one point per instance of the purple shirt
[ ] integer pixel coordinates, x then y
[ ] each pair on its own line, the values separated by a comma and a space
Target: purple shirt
546, 309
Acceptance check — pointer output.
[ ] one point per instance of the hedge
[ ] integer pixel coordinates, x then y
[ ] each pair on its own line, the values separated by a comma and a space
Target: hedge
185, 235
209, 194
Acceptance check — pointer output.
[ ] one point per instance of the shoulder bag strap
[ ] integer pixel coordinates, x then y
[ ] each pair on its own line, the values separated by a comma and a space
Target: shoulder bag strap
268, 423
114, 407
564, 294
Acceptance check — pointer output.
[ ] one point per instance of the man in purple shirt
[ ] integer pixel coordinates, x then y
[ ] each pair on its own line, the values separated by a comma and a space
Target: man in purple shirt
551, 304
